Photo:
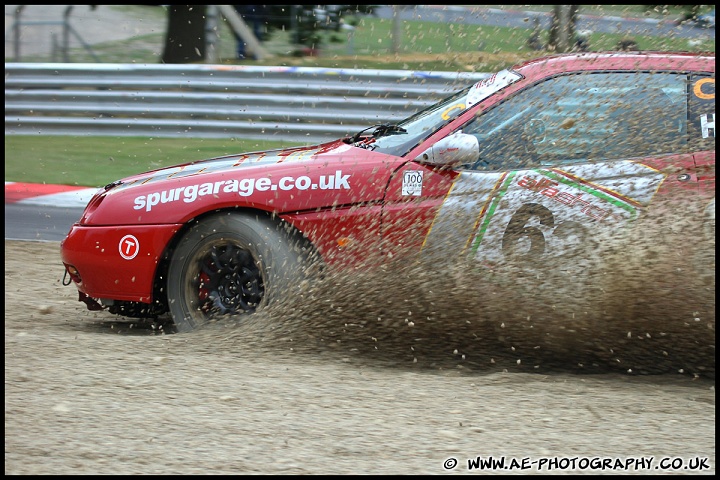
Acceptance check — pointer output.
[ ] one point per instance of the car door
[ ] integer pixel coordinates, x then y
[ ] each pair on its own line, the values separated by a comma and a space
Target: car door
564, 166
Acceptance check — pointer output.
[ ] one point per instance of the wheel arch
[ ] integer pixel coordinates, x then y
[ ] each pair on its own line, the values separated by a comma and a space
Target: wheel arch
161, 271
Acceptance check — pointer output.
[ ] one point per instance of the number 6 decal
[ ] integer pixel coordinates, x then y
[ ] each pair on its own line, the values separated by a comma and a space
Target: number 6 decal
517, 229
572, 234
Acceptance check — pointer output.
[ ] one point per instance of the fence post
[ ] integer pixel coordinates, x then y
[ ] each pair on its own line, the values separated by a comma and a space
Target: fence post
66, 34
239, 26
350, 38
16, 32
396, 30
211, 34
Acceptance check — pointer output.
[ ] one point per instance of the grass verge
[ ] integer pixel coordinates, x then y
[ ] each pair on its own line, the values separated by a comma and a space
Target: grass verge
97, 161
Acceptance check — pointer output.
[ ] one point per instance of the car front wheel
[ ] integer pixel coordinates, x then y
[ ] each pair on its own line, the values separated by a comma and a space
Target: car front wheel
232, 264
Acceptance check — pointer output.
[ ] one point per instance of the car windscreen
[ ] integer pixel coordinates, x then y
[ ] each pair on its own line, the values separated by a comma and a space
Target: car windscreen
418, 127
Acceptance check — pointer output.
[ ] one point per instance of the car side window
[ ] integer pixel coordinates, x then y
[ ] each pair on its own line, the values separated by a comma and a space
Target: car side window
584, 117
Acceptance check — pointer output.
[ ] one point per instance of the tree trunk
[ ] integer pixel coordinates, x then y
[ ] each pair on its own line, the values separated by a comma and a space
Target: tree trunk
562, 28
185, 37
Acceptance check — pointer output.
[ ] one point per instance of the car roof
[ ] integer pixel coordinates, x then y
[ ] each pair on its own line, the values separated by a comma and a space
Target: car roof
616, 61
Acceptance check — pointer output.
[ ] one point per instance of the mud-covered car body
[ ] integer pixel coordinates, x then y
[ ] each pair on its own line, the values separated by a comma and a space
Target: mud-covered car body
523, 165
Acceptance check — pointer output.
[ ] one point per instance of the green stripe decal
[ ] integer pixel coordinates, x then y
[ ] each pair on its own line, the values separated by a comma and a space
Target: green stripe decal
491, 211
587, 189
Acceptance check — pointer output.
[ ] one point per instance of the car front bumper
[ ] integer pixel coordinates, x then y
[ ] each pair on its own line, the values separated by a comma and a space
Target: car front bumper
116, 262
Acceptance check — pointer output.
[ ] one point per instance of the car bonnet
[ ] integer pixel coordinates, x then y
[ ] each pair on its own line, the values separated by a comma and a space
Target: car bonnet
230, 163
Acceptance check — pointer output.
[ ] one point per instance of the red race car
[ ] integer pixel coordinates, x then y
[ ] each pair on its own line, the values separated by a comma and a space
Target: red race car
524, 166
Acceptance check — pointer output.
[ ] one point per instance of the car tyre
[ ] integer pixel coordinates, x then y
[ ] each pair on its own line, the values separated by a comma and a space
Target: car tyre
232, 264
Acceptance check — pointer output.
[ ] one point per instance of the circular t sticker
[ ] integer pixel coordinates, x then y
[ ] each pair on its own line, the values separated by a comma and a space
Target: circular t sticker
129, 247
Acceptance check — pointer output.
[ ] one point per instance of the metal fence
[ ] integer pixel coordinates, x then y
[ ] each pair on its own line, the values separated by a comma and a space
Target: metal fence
214, 101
